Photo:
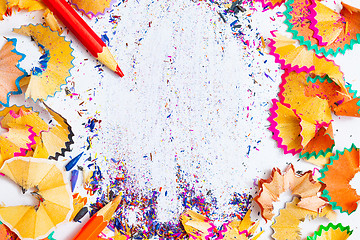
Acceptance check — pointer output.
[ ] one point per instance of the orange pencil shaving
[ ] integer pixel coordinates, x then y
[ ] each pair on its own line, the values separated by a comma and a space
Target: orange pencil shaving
98, 222
83, 33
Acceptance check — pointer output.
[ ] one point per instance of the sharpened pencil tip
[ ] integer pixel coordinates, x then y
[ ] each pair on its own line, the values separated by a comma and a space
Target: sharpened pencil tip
119, 72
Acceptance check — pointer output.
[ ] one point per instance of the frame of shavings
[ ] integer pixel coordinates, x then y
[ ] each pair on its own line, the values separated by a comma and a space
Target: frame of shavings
192, 219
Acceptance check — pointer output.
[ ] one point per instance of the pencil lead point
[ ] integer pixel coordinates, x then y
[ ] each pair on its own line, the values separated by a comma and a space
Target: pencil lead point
119, 72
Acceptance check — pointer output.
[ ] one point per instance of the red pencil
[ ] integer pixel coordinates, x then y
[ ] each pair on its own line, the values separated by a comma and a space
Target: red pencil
83, 33
98, 222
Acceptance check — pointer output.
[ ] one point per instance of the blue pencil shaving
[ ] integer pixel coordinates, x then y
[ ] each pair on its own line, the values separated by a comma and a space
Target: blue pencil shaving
269, 77
44, 59
233, 23
105, 39
91, 124
74, 178
73, 162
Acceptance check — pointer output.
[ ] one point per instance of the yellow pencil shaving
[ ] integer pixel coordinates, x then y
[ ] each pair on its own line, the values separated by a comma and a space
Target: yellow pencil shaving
346, 28
262, 42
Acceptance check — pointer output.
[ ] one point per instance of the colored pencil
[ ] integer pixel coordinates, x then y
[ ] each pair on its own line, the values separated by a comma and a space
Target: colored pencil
98, 222
83, 33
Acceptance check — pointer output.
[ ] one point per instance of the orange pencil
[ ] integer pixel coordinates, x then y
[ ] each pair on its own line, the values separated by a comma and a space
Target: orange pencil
83, 33
98, 222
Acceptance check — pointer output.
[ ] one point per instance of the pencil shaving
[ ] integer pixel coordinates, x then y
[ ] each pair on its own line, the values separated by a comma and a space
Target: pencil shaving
334, 31
300, 59
301, 22
286, 225
49, 141
243, 229
302, 185
51, 190
196, 225
331, 232
10, 71
56, 66
92, 7
337, 176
